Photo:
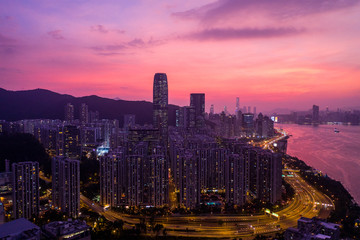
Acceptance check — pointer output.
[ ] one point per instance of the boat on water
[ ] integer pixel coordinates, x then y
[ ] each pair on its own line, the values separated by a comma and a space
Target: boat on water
336, 130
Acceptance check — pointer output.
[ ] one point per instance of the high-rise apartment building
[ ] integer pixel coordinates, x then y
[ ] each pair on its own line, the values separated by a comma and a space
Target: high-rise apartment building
72, 142
237, 109
69, 112
244, 109
189, 184
315, 115
185, 118
264, 126
93, 116
248, 124
262, 174
212, 111
235, 193
200, 164
135, 175
160, 104
197, 101
25, 182
113, 180
84, 114
66, 185
226, 111
129, 121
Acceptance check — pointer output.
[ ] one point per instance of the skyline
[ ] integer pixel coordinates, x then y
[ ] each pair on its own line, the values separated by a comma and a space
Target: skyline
296, 55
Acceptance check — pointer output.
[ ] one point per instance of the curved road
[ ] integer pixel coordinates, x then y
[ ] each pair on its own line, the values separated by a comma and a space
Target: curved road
308, 202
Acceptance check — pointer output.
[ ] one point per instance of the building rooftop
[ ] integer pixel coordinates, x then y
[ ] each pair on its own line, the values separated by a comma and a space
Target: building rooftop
305, 220
321, 236
332, 226
17, 227
61, 228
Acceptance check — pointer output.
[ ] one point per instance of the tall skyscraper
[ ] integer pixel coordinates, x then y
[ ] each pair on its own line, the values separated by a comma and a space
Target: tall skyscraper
237, 105
69, 112
197, 101
93, 116
242, 171
189, 183
136, 175
268, 176
66, 185
84, 114
235, 180
185, 118
225, 110
254, 111
315, 117
160, 104
249, 109
264, 126
72, 143
129, 121
113, 178
25, 181
248, 124
212, 111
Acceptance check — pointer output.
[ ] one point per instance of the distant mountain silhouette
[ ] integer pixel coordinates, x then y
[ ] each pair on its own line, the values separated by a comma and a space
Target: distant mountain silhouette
280, 111
41, 103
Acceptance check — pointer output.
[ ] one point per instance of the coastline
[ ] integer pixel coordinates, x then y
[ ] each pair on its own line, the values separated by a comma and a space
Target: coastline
334, 154
346, 212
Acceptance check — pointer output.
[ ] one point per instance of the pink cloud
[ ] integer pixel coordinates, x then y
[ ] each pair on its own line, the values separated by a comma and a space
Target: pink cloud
286, 53
56, 34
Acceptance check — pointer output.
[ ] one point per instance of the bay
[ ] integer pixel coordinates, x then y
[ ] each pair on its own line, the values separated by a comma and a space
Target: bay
335, 154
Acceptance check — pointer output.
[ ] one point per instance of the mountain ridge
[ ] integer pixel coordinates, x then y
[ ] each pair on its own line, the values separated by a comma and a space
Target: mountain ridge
42, 103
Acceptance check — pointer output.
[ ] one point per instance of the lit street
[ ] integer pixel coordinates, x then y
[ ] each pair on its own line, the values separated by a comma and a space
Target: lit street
307, 202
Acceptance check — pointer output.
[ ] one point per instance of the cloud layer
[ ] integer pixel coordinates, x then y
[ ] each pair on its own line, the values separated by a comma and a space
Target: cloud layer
283, 53
276, 8
230, 33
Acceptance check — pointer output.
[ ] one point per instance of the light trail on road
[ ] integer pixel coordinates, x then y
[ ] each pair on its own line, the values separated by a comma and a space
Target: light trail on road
307, 202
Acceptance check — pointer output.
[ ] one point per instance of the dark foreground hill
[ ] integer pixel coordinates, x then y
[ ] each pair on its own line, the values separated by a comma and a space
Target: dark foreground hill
23, 147
41, 103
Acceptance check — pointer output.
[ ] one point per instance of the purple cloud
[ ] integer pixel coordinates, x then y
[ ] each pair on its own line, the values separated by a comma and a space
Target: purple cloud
230, 33
277, 8
136, 43
56, 34
5, 18
120, 31
108, 53
99, 28
102, 29
10, 70
7, 45
116, 47
6, 40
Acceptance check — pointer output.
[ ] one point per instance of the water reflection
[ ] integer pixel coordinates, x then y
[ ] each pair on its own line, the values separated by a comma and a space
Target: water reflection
336, 154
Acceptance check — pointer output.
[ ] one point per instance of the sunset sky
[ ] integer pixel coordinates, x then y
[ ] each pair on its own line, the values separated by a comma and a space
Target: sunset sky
270, 53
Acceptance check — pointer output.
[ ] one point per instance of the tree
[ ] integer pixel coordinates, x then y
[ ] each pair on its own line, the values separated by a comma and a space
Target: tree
157, 228
118, 225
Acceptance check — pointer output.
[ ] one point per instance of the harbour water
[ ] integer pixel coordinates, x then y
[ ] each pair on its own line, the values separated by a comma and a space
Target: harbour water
335, 154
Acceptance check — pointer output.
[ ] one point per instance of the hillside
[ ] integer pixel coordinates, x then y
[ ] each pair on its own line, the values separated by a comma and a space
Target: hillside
41, 103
